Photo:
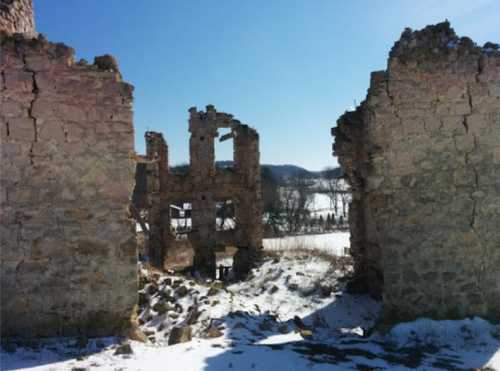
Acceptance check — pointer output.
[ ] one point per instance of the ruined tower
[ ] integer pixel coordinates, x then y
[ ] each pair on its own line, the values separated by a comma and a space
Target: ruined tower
68, 254
203, 186
422, 156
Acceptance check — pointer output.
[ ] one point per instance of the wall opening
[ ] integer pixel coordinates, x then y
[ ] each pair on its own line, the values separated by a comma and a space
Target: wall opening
224, 149
224, 258
225, 219
180, 218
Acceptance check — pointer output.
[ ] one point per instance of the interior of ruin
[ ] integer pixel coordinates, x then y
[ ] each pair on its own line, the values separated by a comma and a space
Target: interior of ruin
420, 157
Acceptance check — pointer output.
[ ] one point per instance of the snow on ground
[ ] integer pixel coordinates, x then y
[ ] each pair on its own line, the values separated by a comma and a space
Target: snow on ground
333, 243
291, 314
321, 204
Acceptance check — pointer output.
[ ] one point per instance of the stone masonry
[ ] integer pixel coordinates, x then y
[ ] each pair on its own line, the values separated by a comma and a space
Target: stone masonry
203, 185
16, 16
68, 253
422, 155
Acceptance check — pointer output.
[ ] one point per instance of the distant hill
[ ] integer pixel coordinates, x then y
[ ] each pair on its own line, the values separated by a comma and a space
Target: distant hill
278, 171
288, 170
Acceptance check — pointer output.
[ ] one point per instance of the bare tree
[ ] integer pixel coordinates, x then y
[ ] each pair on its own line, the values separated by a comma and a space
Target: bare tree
346, 198
333, 187
273, 203
296, 197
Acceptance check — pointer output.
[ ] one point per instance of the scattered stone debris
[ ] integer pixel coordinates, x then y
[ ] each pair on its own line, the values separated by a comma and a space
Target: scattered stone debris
179, 334
123, 349
212, 331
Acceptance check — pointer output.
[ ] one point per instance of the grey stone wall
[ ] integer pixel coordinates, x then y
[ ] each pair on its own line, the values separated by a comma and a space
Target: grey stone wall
423, 158
68, 252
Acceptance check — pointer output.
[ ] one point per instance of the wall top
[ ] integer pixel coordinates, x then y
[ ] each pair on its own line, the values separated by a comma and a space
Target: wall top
434, 41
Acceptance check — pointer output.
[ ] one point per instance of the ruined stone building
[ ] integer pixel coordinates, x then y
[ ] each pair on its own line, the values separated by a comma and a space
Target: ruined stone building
422, 155
68, 254
204, 186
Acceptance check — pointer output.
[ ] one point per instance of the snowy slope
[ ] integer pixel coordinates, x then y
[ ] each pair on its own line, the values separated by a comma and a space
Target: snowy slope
333, 243
259, 330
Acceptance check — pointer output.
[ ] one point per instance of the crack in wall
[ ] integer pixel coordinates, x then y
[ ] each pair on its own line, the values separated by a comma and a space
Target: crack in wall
35, 92
4, 80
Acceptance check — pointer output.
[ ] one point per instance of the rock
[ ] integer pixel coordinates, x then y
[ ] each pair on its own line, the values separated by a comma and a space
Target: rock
293, 287
167, 281
167, 296
298, 323
136, 334
283, 328
212, 332
123, 349
176, 283
326, 291
151, 288
179, 335
143, 299
161, 307
266, 325
306, 334
143, 281
182, 291
212, 291
273, 289
193, 315
215, 302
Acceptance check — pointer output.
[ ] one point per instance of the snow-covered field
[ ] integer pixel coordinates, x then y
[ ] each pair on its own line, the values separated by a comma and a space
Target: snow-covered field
334, 243
291, 314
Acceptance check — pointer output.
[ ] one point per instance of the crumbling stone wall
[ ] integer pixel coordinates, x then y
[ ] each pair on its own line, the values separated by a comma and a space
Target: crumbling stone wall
422, 156
68, 254
16, 16
203, 185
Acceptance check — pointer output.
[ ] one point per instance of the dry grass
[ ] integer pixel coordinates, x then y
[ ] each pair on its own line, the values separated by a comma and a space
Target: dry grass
301, 252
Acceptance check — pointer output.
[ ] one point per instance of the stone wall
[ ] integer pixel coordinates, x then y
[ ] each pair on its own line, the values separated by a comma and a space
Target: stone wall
16, 16
203, 185
68, 253
423, 158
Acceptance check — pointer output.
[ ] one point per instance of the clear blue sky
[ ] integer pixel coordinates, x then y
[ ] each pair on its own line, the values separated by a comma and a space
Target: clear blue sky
288, 68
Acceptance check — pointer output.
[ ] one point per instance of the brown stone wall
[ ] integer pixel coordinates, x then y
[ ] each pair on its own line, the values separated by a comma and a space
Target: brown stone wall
204, 185
423, 157
16, 16
68, 254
